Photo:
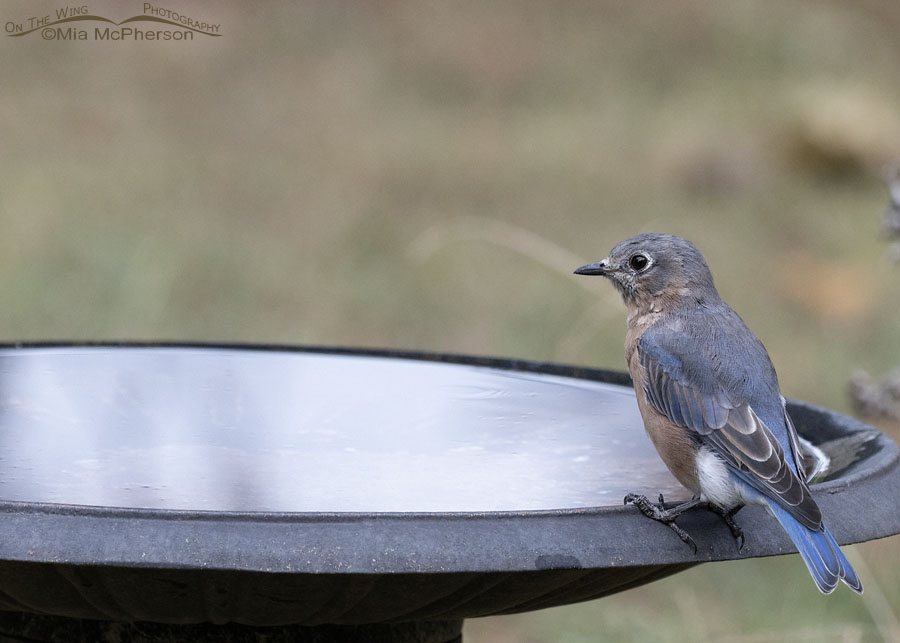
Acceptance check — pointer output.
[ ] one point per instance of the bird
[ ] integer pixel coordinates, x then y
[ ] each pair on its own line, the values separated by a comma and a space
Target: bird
711, 403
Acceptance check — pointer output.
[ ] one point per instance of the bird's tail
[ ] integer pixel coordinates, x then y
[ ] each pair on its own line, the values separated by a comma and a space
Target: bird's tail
821, 553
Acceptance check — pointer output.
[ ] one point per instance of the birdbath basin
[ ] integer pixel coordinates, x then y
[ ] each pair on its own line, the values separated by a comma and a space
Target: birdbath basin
247, 493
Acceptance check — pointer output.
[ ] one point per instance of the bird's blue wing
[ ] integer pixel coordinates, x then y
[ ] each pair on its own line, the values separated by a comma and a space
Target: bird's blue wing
683, 381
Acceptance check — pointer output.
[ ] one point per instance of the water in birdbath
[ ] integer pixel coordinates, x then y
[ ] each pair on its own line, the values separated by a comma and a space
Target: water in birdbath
243, 430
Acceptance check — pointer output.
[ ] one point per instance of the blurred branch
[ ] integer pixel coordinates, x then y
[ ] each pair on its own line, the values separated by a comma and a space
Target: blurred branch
890, 222
534, 247
847, 633
572, 345
507, 235
869, 397
875, 600
873, 399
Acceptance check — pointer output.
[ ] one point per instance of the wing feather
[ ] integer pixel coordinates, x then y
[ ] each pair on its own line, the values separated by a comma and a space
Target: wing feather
731, 427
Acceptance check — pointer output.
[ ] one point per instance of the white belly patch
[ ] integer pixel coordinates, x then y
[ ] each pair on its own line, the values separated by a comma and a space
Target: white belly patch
716, 486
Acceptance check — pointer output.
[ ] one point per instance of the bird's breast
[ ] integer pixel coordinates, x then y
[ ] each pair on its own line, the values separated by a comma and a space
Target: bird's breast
674, 443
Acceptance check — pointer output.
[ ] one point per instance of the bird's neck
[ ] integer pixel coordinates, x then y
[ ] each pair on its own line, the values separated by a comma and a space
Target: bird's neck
644, 310
642, 317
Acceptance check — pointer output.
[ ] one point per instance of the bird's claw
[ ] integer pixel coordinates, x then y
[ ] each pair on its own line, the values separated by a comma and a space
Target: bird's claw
659, 513
728, 517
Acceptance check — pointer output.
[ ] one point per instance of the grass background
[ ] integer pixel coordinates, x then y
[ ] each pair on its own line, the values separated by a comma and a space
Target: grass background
426, 175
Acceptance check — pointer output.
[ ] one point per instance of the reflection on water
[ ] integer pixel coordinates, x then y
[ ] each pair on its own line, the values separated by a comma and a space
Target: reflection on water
202, 429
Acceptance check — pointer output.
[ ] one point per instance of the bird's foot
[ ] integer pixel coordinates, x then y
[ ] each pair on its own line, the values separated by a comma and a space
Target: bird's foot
659, 513
728, 517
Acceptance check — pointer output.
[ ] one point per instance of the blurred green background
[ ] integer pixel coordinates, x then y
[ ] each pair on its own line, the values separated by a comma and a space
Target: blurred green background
425, 175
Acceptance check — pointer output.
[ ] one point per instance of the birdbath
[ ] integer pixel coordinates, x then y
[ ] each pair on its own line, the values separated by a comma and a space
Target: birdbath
268, 494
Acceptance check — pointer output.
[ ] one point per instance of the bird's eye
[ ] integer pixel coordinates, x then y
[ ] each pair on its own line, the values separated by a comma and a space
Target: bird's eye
638, 262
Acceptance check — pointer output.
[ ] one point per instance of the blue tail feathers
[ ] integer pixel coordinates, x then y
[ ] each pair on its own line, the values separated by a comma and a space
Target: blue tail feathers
821, 553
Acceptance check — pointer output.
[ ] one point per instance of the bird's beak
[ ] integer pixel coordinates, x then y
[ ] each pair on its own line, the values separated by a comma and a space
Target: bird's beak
598, 268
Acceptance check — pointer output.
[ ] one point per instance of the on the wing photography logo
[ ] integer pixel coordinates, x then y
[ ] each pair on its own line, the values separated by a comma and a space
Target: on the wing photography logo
75, 23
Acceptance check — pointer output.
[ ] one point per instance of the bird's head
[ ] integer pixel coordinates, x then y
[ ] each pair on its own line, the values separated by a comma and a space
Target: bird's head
648, 269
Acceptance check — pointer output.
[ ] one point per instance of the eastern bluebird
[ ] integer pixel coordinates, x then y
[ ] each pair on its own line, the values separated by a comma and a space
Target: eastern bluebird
710, 400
